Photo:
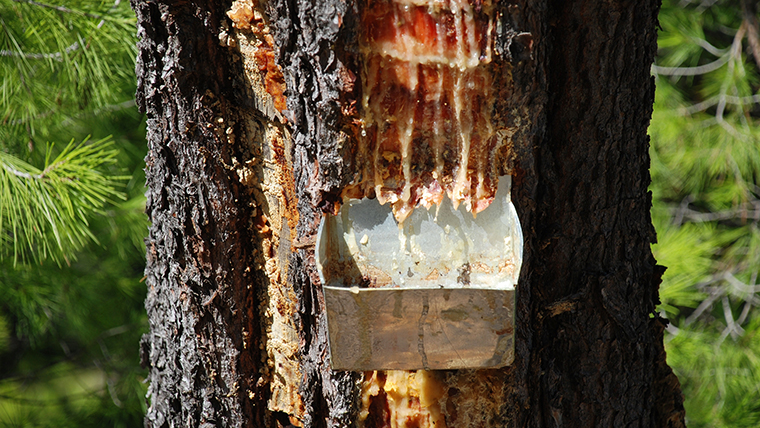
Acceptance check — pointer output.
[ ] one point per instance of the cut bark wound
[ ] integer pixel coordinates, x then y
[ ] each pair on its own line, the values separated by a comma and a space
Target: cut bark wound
426, 107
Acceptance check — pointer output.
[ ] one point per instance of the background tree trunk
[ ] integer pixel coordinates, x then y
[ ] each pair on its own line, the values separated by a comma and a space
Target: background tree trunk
238, 334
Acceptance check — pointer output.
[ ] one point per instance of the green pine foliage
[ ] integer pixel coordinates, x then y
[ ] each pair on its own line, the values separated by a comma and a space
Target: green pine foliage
59, 62
71, 216
45, 211
705, 171
70, 357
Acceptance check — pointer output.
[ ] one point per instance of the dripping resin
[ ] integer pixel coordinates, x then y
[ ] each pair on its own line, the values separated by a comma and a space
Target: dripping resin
426, 104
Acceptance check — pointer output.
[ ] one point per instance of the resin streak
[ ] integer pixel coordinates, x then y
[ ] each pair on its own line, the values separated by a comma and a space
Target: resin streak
426, 104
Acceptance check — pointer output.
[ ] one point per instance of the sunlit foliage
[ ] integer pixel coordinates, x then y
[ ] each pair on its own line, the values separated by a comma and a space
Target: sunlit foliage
705, 170
71, 216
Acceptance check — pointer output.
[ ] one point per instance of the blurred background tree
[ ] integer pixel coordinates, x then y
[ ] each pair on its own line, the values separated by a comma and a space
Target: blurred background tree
71, 216
705, 171
71, 220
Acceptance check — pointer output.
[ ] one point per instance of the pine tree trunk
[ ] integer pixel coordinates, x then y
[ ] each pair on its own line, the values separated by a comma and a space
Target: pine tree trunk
238, 179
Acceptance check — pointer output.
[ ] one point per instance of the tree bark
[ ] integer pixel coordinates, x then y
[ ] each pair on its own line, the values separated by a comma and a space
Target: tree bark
237, 184
202, 304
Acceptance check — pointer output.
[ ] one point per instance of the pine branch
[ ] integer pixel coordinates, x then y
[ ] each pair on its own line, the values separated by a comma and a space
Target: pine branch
746, 211
59, 8
45, 213
58, 56
56, 65
691, 71
713, 101
704, 44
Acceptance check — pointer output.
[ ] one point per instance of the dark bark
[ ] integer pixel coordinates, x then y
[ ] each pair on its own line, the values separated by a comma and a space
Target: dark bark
589, 348
200, 305
601, 362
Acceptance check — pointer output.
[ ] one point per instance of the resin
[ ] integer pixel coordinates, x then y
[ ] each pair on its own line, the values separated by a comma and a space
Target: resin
427, 101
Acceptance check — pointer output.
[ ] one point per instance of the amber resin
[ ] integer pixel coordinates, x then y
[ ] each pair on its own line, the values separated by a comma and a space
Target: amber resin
426, 104
411, 399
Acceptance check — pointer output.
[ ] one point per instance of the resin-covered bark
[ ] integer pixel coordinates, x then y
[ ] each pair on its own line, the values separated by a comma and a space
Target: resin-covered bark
426, 107
237, 185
